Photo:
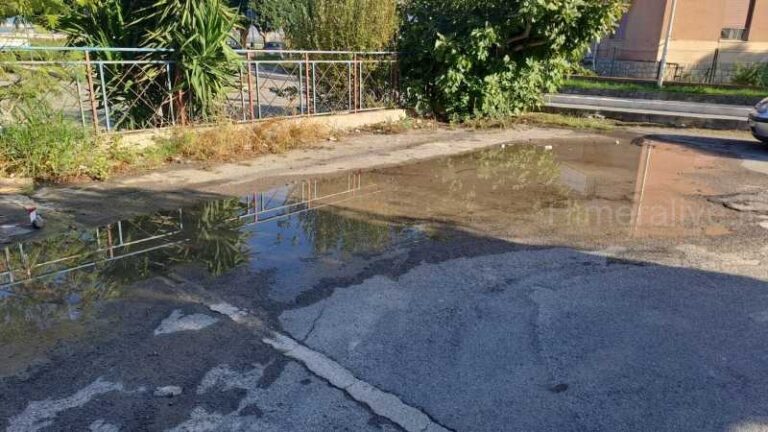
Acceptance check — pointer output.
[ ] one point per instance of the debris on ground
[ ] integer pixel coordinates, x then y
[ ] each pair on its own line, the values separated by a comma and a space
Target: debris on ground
168, 391
755, 202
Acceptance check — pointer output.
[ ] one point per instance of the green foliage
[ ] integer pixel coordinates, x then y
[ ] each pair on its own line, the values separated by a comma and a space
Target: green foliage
494, 58
46, 13
26, 89
197, 32
50, 148
755, 75
342, 25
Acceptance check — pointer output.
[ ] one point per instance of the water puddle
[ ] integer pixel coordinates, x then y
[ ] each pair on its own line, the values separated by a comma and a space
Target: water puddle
310, 229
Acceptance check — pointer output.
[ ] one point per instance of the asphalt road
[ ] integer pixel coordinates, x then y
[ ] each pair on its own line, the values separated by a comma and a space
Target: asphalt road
430, 299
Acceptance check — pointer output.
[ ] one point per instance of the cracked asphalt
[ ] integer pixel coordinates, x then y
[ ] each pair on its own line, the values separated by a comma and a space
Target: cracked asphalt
583, 284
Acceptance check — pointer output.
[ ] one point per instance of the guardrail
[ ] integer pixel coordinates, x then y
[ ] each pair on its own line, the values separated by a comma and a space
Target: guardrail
113, 89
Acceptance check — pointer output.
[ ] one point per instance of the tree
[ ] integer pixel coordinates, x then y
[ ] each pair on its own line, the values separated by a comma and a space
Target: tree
344, 25
46, 13
494, 58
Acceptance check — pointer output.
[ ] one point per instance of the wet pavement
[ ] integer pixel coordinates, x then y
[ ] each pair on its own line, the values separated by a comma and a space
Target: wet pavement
589, 284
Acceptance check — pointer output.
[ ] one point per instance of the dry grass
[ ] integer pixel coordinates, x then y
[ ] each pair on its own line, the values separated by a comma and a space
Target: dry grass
402, 126
544, 119
228, 142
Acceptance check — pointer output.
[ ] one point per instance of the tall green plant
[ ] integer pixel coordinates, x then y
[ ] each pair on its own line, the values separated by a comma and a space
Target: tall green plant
340, 24
493, 58
196, 31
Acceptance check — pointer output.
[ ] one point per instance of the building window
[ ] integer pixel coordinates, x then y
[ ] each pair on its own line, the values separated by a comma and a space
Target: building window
738, 14
733, 34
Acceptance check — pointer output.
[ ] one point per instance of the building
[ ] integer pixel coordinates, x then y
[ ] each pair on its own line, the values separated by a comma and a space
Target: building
709, 37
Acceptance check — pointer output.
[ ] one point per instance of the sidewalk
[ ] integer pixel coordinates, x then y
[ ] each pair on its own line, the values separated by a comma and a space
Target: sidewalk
671, 113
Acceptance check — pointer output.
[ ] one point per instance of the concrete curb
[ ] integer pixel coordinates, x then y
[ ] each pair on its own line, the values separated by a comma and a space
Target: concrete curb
658, 118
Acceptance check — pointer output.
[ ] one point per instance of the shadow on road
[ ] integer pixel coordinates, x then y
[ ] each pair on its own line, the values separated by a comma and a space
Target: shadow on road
736, 148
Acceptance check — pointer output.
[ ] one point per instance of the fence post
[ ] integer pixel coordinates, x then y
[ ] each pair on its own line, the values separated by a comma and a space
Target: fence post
360, 86
713, 69
170, 93
306, 80
301, 89
258, 91
104, 96
242, 94
250, 84
613, 62
355, 80
314, 87
349, 85
91, 91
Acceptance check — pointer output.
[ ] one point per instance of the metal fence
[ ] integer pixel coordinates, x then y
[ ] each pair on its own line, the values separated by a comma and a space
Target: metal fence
719, 66
131, 89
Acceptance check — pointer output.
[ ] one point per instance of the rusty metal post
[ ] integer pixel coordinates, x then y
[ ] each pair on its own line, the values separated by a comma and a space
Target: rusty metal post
242, 94
250, 84
258, 92
91, 91
355, 82
182, 108
306, 80
169, 82
349, 86
360, 86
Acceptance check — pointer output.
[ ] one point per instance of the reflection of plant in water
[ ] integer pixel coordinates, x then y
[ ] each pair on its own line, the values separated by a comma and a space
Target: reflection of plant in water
214, 236
527, 172
37, 312
512, 168
41, 303
331, 231
75, 270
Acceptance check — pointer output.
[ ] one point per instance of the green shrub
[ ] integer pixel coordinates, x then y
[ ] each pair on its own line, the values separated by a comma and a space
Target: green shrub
51, 148
494, 58
755, 75
358, 25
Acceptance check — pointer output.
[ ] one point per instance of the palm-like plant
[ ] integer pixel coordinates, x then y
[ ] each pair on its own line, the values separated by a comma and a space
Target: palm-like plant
202, 63
198, 32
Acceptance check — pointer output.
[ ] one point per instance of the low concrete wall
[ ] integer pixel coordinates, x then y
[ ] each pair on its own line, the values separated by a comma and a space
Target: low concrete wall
336, 122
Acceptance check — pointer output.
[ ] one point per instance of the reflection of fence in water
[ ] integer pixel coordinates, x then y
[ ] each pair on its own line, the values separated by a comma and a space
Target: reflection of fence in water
302, 197
111, 243
120, 241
